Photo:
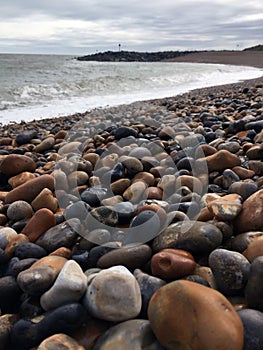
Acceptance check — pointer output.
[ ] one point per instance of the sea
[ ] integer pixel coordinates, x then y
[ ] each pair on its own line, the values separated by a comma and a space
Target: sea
48, 86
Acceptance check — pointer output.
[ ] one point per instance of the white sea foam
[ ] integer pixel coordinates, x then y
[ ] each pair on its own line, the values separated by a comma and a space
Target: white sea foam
52, 86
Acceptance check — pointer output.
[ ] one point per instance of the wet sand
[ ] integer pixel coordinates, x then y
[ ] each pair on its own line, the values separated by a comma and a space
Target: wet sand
240, 58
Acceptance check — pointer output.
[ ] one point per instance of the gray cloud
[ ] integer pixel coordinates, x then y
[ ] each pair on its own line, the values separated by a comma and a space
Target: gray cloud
85, 26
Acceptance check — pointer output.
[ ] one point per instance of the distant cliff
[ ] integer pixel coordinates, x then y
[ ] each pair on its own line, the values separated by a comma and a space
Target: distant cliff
132, 56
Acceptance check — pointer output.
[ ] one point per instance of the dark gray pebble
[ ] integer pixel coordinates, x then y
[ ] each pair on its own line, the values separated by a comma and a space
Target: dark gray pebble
9, 294
94, 195
230, 270
253, 325
29, 250
254, 287
148, 286
65, 319
62, 235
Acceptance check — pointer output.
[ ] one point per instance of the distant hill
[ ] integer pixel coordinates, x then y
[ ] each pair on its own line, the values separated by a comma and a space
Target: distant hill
254, 48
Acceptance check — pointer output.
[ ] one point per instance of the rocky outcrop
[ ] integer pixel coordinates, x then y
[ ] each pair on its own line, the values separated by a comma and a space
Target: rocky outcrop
131, 56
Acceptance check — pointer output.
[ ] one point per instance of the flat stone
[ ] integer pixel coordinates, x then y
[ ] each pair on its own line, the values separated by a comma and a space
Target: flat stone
69, 287
14, 164
221, 160
130, 257
251, 216
113, 295
230, 269
30, 189
195, 237
226, 208
40, 222
129, 335
19, 210
62, 235
187, 300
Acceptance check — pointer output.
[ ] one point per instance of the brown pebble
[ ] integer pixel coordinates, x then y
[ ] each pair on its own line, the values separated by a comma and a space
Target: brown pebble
14, 164
40, 222
29, 190
172, 264
119, 186
154, 193
243, 173
251, 216
45, 199
221, 160
184, 315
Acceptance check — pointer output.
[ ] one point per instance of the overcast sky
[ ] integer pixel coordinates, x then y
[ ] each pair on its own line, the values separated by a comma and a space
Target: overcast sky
86, 26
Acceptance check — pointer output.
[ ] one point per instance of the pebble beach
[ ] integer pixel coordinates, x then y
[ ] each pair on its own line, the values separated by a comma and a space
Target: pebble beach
138, 226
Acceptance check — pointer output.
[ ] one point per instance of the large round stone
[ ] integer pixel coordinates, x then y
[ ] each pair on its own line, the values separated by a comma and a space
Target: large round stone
185, 315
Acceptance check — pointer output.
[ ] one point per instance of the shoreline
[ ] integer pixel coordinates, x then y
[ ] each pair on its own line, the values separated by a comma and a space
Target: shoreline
156, 101
242, 58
